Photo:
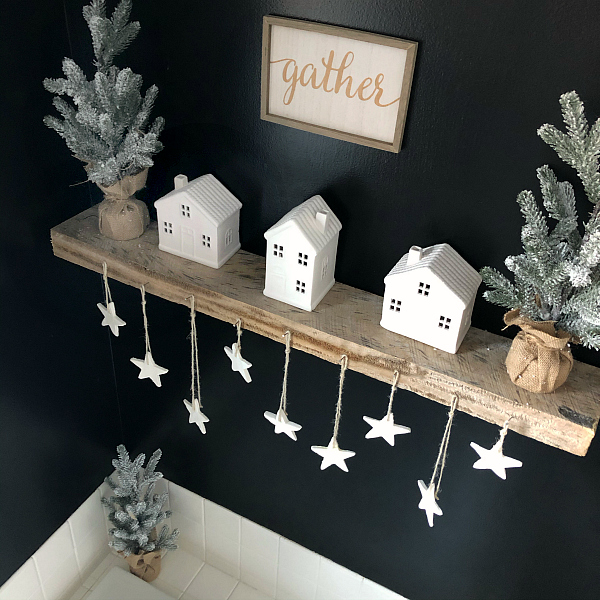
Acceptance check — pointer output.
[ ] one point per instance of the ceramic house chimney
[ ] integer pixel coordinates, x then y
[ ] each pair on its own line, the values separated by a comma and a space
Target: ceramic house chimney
180, 181
322, 219
414, 255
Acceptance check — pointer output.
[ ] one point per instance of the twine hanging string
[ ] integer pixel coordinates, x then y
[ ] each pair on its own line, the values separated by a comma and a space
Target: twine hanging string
394, 388
338, 409
238, 326
143, 290
288, 344
440, 463
194, 353
107, 293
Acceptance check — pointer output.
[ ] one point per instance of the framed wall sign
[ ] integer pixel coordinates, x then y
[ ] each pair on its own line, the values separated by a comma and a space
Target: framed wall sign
346, 84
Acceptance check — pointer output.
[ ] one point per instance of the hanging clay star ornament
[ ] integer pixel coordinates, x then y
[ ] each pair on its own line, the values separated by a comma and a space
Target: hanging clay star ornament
282, 423
110, 317
238, 363
385, 428
333, 455
149, 369
494, 460
196, 415
428, 503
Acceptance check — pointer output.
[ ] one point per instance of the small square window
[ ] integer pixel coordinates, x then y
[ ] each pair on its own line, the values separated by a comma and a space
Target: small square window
168, 227
281, 255
275, 252
444, 322
185, 210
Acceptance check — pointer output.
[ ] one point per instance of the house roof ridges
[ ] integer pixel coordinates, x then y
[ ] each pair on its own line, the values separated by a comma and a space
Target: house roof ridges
304, 216
209, 196
448, 266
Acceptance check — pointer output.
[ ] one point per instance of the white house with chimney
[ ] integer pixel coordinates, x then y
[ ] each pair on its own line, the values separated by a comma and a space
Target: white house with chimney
199, 220
429, 296
301, 253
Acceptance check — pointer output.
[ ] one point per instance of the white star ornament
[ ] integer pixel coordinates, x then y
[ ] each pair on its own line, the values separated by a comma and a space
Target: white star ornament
494, 460
428, 503
282, 423
149, 369
385, 428
238, 363
333, 455
196, 415
110, 317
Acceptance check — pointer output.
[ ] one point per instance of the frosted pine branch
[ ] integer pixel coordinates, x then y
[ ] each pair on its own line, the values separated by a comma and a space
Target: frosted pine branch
134, 510
105, 122
557, 277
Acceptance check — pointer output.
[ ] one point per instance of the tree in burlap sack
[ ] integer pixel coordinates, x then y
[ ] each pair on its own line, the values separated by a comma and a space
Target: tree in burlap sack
555, 296
136, 512
106, 125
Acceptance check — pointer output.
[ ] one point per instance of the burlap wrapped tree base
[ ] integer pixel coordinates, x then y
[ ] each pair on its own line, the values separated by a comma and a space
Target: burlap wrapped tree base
121, 216
146, 566
539, 359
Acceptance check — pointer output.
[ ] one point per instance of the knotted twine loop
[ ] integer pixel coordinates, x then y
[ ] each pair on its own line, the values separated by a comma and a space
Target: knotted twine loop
338, 408
288, 343
107, 294
503, 432
394, 388
539, 358
143, 290
194, 352
440, 463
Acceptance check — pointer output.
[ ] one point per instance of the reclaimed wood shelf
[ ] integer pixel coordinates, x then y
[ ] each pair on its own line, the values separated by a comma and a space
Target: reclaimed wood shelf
347, 322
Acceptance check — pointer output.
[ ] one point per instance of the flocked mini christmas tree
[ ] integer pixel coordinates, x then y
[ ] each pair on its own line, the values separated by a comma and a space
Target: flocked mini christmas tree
557, 277
135, 510
106, 125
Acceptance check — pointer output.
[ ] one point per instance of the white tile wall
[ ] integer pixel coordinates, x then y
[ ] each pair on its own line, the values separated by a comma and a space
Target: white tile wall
222, 556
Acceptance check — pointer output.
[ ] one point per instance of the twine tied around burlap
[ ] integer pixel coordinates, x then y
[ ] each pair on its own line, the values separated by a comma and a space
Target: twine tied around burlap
146, 566
121, 216
539, 359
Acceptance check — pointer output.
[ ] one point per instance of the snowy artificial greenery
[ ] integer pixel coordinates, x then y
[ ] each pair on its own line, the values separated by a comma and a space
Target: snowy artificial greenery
105, 126
135, 510
557, 278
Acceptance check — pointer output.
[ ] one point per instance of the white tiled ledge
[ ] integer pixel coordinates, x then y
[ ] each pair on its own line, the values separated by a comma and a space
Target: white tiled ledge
222, 556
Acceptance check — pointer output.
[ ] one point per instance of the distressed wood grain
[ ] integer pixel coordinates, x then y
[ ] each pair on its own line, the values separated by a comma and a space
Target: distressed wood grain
347, 322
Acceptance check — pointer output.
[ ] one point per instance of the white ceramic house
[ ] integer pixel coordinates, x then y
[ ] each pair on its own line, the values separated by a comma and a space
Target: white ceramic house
301, 252
199, 220
429, 296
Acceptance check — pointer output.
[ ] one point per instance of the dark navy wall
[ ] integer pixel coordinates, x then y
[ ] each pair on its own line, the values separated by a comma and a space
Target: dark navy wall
488, 74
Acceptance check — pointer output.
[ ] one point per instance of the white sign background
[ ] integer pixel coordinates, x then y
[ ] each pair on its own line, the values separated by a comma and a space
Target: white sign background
328, 109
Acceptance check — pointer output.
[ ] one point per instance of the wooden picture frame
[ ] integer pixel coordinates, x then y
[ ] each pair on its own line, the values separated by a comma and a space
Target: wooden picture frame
342, 83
